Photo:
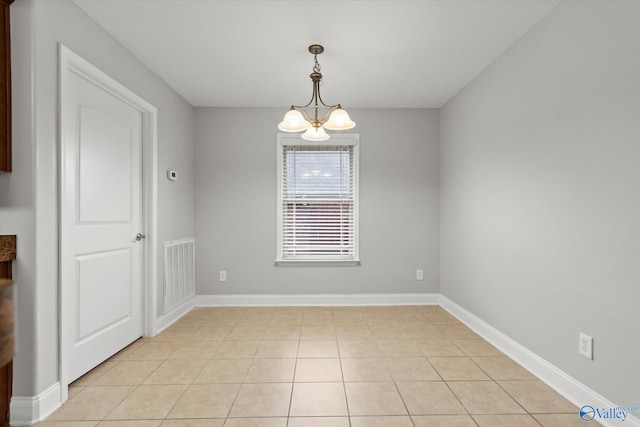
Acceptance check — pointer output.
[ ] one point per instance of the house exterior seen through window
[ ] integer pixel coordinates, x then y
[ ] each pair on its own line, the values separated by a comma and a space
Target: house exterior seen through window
318, 200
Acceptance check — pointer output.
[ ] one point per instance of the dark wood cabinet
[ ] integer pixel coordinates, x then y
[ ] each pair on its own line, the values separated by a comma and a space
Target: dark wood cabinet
7, 255
5, 87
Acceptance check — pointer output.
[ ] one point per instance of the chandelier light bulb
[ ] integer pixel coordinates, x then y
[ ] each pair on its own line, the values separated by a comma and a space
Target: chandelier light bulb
339, 120
315, 134
293, 122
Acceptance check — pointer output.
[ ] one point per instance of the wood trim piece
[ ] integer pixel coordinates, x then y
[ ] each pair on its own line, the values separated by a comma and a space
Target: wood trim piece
6, 325
7, 248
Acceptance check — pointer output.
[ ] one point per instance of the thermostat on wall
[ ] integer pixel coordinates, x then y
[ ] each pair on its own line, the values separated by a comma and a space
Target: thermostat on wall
172, 175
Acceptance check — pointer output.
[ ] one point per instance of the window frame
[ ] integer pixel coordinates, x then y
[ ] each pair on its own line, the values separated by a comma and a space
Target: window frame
336, 140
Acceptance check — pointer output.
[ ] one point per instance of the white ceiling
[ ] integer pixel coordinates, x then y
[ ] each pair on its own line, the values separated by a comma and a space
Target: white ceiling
242, 53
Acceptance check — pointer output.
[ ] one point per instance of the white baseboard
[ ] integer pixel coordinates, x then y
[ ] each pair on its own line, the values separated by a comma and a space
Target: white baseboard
27, 411
573, 390
166, 320
315, 299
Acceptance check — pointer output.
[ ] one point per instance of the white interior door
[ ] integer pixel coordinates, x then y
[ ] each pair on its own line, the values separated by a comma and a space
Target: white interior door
101, 213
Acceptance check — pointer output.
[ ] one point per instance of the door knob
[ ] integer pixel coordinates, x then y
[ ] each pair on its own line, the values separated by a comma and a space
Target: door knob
139, 237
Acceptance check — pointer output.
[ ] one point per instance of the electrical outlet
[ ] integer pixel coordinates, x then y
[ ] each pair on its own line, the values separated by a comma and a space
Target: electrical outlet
223, 275
585, 346
419, 274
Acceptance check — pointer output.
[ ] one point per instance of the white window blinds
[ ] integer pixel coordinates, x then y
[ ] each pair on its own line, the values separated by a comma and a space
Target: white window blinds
318, 203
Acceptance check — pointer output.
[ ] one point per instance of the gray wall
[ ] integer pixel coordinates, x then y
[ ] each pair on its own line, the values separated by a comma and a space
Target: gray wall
236, 205
540, 193
28, 196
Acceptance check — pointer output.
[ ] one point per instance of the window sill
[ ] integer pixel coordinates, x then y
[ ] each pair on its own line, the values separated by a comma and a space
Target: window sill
317, 262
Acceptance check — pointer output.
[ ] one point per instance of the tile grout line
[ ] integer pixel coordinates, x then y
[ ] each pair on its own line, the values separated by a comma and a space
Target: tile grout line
186, 388
459, 401
344, 385
295, 368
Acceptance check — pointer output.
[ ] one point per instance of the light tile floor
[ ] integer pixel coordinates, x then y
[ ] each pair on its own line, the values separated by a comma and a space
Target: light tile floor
313, 366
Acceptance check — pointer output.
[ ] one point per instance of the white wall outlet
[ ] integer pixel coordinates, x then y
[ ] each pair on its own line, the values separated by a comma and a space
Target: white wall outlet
586, 346
223, 275
172, 175
419, 274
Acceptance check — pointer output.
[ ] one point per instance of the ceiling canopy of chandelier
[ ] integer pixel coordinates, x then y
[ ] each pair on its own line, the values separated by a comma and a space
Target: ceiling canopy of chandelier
297, 119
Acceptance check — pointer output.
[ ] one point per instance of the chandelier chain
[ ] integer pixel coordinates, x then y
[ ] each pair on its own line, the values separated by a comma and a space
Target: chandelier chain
316, 67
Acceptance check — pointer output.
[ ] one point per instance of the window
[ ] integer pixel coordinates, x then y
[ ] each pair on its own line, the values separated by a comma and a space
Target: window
318, 200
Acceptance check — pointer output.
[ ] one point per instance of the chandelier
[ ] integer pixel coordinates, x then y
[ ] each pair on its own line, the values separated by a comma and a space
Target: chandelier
298, 119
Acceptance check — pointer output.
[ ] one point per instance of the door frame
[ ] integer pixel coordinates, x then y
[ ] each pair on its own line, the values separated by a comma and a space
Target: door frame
70, 62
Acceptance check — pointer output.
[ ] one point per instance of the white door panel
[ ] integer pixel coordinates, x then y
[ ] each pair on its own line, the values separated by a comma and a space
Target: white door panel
106, 152
103, 280
101, 213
